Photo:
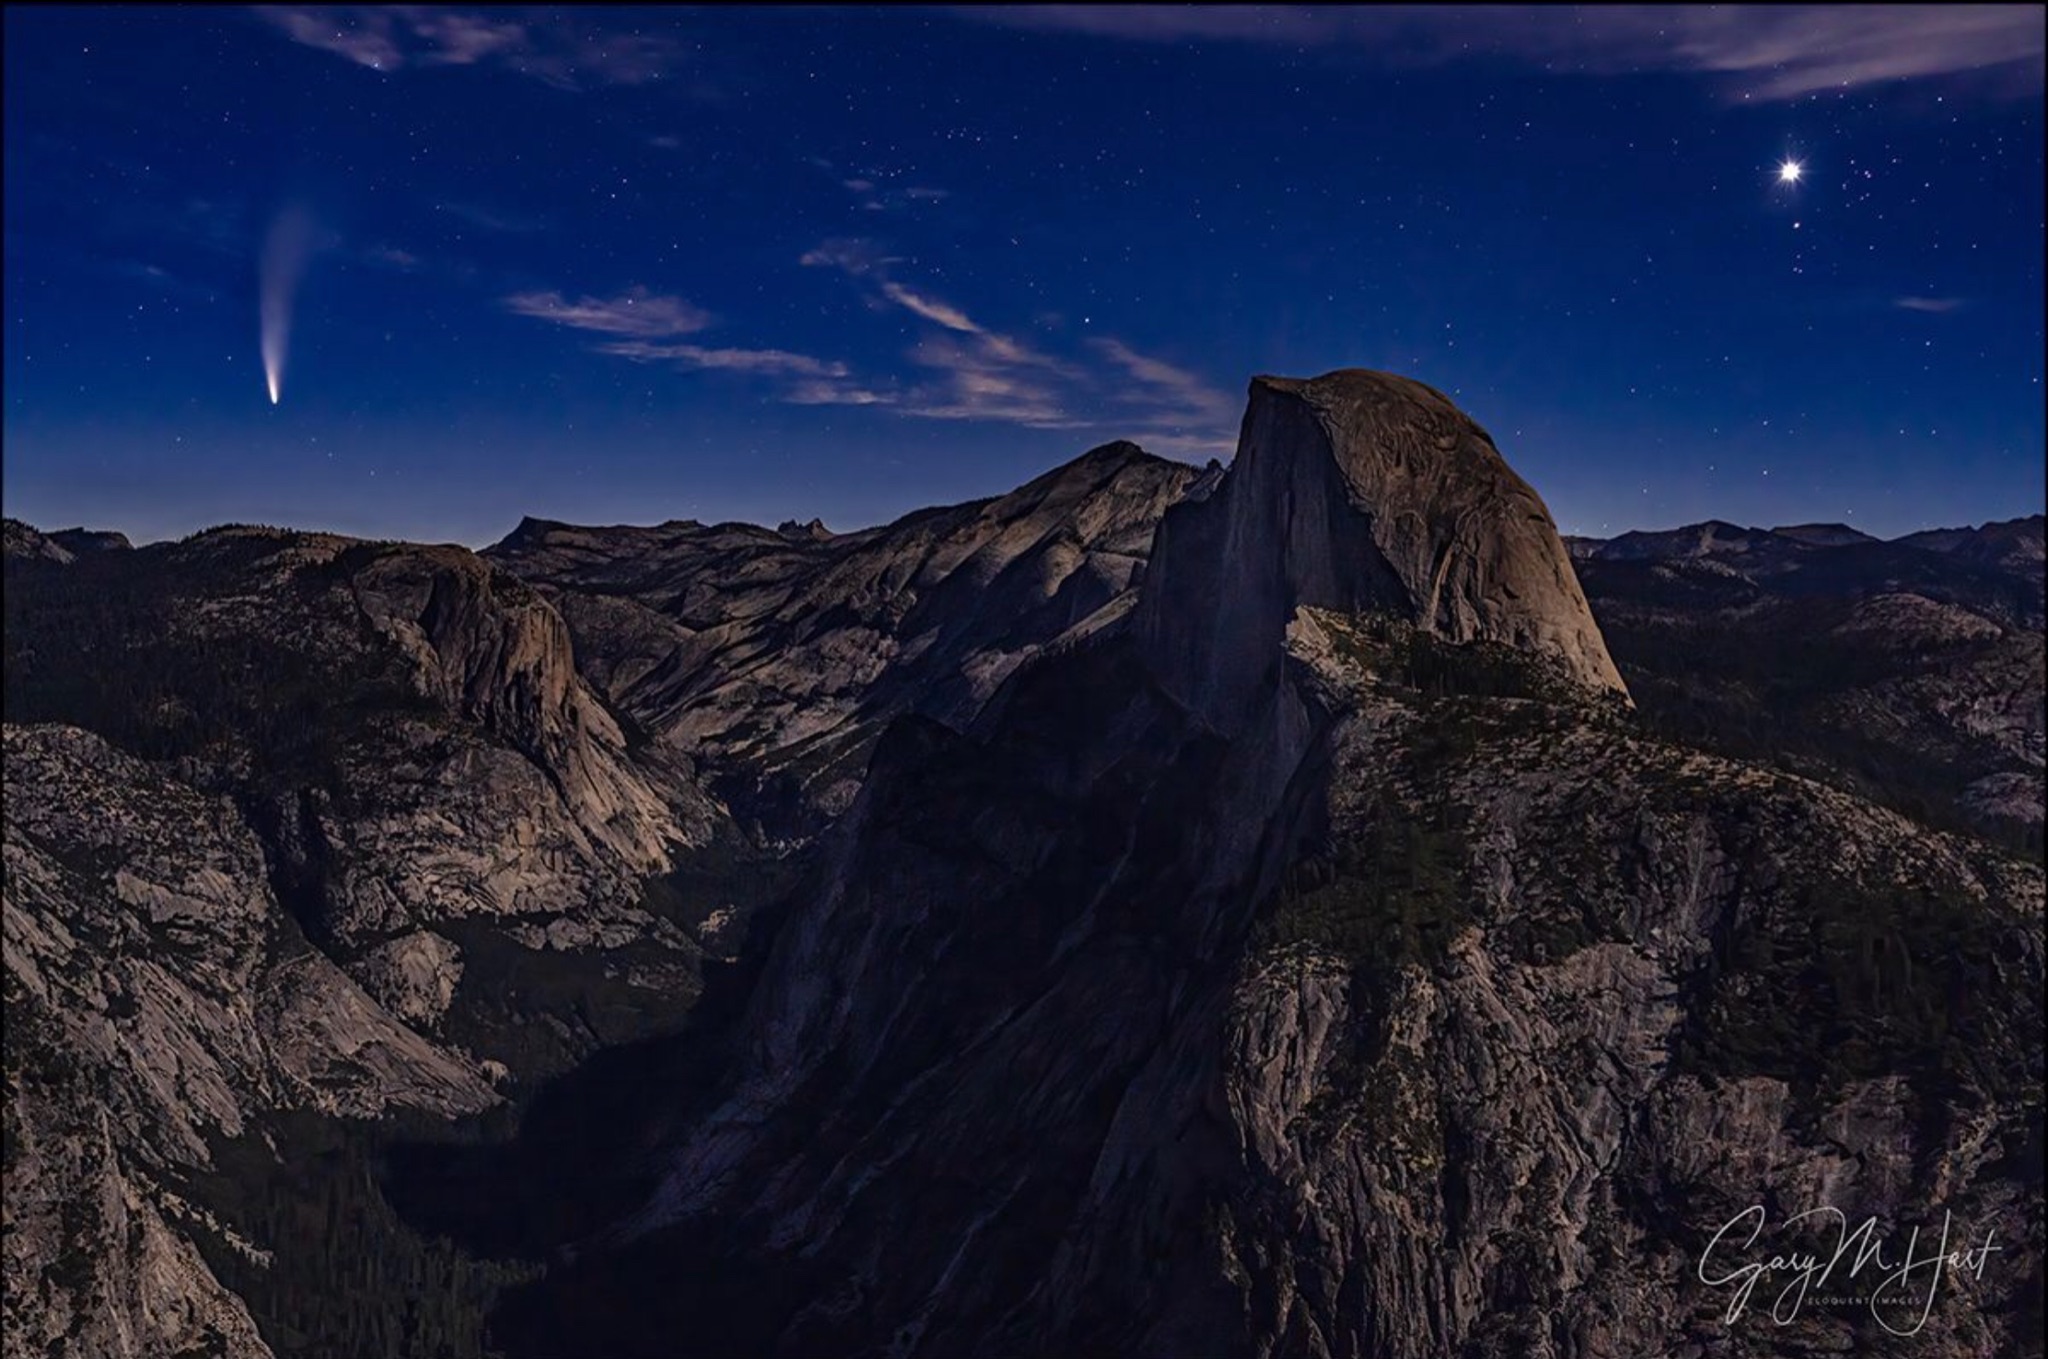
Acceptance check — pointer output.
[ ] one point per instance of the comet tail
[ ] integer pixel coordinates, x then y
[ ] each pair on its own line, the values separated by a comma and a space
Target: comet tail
286, 248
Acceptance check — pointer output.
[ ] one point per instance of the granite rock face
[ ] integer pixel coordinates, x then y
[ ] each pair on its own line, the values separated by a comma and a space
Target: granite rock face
404, 730
23, 544
775, 658
1908, 671
160, 1001
352, 845
1279, 938
1361, 492
1307, 971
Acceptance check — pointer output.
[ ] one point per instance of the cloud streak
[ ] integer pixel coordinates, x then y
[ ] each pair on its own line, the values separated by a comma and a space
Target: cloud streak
646, 326
875, 191
981, 377
1770, 53
956, 368
978, 373
1173, 389
1936, 305
489, 219
563, 53
772, 362
931, 309
635, 312
975, 373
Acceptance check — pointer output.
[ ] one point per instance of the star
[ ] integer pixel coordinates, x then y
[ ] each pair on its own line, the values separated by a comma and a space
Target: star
1789, 171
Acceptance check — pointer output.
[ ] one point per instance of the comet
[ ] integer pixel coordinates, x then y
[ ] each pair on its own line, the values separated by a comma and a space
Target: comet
286, 248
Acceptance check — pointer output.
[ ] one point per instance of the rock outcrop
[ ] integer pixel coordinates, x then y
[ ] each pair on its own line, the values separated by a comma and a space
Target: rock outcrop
441, 872
1361, 492
1823, 535
1307, 972
2011, 544
405, 729
776, 658
24, 544
79, 541
1281, 938
1908, 671
160, 1002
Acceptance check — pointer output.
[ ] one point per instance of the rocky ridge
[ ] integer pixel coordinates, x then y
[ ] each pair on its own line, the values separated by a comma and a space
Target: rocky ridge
404, 727
1380, 997
1908, 671
148, 964
1384, 988
775, 658
384, 859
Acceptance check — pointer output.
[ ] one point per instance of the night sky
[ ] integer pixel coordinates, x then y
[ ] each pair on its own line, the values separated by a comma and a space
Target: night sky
637, 265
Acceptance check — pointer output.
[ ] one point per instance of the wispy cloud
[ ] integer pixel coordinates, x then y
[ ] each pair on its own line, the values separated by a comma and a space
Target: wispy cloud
978, 374
975, 372
957, 368
881, 190
635, 312
864, 260
1173, 389
772, 362
978, 380
1756, 52
835, 392
362, 35
166, 281
649, 324
559, 50
849, 255
931, 309
490, 219
1929, 304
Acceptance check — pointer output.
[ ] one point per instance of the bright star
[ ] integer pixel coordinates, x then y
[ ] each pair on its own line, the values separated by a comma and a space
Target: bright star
1790, 171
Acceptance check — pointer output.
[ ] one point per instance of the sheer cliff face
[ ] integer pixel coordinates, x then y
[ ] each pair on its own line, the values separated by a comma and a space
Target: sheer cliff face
159, 1003
404, 729
1329, 964
350, 840
1361, 492
1307, 971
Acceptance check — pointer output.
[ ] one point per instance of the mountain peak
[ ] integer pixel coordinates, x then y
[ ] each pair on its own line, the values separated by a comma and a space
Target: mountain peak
1116, 450
1356, 385
1364, 492
79, 541
26, 543
1823, 535
1098, 464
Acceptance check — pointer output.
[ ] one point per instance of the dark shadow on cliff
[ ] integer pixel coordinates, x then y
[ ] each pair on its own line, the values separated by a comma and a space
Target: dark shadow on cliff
518, 1183
1034, 878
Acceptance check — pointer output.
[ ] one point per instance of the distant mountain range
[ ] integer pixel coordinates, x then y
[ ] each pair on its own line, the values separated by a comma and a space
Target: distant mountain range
1306, 907
2011, 543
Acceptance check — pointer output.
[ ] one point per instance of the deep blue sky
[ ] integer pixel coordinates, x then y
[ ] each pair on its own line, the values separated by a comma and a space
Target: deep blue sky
719, 264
